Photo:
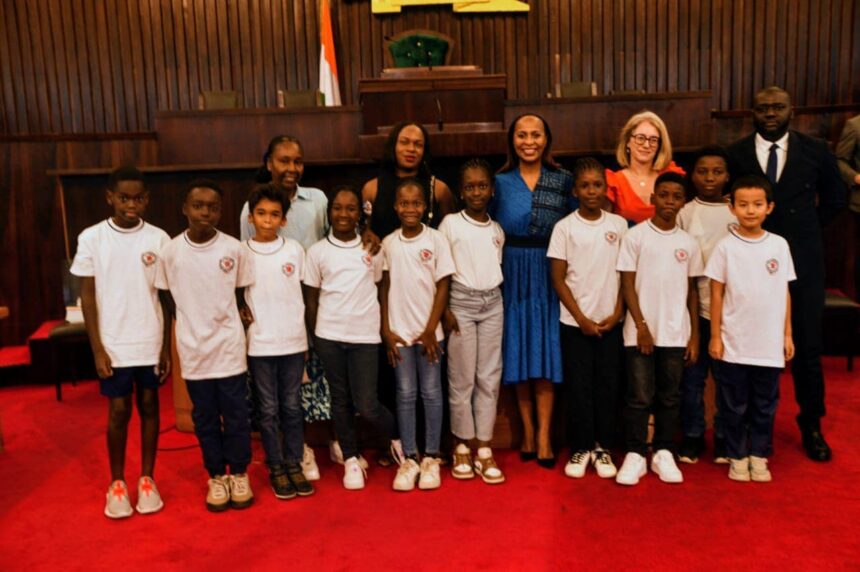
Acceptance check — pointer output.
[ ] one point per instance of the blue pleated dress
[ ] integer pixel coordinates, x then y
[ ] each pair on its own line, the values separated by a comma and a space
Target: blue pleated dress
531, 346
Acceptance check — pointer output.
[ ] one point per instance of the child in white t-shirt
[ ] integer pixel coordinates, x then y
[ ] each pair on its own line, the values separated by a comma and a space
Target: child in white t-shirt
707, 218
750, 328
206, 272
583, 251
417, 269
124, 320
473, 322
658, 263
342, 309
277, 341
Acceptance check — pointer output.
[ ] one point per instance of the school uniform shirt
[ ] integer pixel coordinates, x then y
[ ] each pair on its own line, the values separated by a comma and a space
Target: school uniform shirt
203, 279
590, 248
477, 250
307, 219
756, 273
663, 262
708, 223
123, 263
275, 298
346, 275
414, 266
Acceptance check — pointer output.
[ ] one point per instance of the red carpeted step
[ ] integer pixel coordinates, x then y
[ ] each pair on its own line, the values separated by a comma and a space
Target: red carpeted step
14, 356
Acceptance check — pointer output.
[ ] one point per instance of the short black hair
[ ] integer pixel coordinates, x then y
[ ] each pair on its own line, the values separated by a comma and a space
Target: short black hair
752, 182
586, 164
706, 151
346, 188
389, 151
271, 192
124, 173
671, 177
409, 182
203, 184
475, 163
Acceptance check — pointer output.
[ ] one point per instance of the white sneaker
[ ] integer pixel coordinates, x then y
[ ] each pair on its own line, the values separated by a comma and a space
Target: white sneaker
148, 498
241, 495
406, 476
739, 470
633, 468
218, 497
759, 472
430, 478
663, 464
117, 504
575, 467
353, 474
309, 464
602, 461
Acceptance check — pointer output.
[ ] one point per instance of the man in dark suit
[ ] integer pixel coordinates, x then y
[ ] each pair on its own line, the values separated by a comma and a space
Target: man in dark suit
808, 193
848, 156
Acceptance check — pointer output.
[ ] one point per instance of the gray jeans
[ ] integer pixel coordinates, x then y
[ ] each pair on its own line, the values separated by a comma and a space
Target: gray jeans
475, 361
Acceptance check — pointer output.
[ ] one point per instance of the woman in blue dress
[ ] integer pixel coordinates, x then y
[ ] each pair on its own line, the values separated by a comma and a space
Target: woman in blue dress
532, 194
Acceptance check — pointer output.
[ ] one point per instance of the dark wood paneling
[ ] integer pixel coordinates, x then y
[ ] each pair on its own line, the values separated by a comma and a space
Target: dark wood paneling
82, 66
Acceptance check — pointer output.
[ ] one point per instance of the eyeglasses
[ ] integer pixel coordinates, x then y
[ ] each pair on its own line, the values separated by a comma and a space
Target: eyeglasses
643, 140
478, 186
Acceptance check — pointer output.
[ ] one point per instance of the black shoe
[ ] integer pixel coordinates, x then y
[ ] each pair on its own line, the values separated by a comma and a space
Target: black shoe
690, 449
721, 455
281, 485
298, 481
816, 447
547, 463
526, 456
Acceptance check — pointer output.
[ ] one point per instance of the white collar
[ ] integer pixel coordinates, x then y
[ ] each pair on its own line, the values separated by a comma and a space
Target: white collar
764, 145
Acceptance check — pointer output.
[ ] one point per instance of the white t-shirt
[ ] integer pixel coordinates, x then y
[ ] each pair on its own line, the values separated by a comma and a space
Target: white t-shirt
414, 266
477, 250
347, 276
756, 273
663, 262
123, 263
590, 249
275, 298
203, 279
708, 223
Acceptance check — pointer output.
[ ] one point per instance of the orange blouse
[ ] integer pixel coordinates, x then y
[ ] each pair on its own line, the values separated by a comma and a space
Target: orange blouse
625, 202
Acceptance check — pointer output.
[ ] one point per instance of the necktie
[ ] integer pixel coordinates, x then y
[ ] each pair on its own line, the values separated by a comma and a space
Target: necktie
771, 164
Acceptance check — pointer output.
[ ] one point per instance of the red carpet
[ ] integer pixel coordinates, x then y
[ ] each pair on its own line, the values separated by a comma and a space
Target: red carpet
53, 476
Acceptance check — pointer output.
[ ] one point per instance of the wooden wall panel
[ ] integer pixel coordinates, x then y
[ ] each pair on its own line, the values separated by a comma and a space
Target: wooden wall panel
103, 66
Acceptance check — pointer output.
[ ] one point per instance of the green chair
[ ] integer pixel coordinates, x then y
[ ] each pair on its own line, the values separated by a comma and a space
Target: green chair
219, 100
419, 48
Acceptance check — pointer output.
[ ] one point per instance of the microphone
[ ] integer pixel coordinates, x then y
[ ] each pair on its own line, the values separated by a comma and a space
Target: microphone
439, 124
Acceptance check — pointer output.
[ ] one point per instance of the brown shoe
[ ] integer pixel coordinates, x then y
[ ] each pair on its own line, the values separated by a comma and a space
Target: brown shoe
303, 487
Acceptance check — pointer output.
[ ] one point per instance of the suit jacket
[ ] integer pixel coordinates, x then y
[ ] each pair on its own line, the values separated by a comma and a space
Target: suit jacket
848, 155
809, 194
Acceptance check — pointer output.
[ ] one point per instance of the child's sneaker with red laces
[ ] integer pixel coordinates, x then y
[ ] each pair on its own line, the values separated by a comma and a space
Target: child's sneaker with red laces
148, 497
117, 504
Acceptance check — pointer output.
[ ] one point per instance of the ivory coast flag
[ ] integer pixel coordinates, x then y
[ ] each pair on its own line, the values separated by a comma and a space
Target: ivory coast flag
328, 62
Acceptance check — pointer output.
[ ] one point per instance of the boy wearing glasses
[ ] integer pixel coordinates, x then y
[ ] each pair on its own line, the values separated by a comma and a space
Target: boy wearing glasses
128, 334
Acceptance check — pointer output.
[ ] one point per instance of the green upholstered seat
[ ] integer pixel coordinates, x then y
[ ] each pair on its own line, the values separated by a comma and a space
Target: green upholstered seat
419, 50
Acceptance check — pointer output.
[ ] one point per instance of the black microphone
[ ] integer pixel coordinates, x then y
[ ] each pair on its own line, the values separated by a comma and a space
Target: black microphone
438, 114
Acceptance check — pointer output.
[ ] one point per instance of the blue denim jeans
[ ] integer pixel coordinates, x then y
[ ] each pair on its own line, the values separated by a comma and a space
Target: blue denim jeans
279, 391
693, 389
748, 397
413, 371
222, 422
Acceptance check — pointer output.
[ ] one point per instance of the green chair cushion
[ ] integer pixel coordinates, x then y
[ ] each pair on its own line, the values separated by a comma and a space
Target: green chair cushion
418, 50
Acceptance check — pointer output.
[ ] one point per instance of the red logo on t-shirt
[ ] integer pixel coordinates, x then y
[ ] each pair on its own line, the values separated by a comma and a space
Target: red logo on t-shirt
367, 259
426, 255
148, 258
497, 241
227, 264
772, 265
289, 268
681, 255
611, 237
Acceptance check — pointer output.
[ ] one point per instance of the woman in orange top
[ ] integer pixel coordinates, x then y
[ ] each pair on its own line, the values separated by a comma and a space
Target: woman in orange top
644, 152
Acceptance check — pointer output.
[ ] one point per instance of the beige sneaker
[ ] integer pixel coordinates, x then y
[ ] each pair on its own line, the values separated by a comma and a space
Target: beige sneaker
240, 491
218, 498
407, 474
117, 504
148, 497
430, 478
309, 464
739, 470
759, 471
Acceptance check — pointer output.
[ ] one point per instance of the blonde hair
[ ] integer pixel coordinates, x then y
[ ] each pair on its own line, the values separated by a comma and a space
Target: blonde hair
664, 150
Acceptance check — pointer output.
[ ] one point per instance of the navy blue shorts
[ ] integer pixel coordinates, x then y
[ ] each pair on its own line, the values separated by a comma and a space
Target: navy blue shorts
121, 383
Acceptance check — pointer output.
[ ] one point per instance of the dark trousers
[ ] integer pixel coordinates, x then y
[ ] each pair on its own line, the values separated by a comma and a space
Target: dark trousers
279, 392
653, 383
807, 313
351, 371
222, 423
693, 389
591, 368
748, 397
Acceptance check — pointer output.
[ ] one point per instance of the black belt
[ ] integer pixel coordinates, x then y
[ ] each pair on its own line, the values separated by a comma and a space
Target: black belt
527, 241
